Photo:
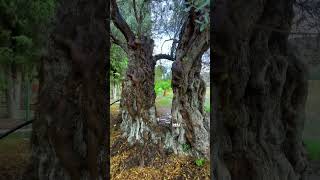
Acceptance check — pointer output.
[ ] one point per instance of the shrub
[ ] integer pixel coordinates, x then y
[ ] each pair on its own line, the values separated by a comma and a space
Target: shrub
200, 162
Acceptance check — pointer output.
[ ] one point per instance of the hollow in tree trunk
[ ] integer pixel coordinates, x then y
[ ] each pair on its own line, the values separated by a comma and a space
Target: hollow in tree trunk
260, 91
69, 133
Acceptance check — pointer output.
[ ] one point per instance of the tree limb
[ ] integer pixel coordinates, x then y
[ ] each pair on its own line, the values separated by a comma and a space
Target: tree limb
120, 23
119, 43
135, 11
172, 39
163, 56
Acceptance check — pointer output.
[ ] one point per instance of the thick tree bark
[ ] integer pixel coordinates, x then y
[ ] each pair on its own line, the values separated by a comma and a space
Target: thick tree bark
259, 90
14, 79
139, 124
69, 134
189, 90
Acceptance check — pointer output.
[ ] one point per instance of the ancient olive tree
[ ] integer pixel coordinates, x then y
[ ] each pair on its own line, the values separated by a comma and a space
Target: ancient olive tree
189, 88
69, 133
260, 91
139, 122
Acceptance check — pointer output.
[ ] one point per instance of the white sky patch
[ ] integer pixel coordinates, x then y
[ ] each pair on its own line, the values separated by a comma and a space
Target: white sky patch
166, 47
165, 50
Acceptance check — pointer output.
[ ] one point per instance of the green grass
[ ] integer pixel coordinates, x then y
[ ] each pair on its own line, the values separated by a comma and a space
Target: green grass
311, 134
166, 101
313, 148
10, 142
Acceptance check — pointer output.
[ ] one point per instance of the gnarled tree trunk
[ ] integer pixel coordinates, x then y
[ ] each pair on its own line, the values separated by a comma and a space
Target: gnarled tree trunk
138, 96
69, 134
259, 93
139, 123
189, 91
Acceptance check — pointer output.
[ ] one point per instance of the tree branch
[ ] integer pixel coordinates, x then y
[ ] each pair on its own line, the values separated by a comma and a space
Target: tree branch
135, 11
119, 43
172, 39
163, 56
120, 23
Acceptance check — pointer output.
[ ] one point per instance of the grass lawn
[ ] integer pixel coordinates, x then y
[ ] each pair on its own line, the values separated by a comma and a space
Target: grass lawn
313, 148
311, 135
14, 155
166, 101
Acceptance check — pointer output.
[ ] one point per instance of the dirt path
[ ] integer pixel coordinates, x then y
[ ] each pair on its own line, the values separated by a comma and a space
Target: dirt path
163, 111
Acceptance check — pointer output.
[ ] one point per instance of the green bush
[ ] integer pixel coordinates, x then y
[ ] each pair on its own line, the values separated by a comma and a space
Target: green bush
313, 148
200, 162
185, 147
162, 86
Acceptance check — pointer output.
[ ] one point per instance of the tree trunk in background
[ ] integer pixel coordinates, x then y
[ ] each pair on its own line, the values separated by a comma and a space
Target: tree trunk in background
165, 92
69, 138
14, 79
111, 91
189, 90
138, 109
260, 91
115, 90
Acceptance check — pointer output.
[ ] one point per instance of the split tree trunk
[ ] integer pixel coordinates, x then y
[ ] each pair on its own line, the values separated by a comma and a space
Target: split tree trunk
69, 138
189, 90
139, 123
259, 93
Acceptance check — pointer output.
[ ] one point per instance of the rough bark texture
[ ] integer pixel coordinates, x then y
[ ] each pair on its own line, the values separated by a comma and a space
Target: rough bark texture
69, 134
139, 124
189, 90
259, 92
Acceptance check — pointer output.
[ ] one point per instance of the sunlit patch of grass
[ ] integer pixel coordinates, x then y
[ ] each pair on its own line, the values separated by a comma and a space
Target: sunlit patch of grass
166, 101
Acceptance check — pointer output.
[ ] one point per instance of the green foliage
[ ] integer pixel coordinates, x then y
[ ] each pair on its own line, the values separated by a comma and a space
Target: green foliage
23, 43
202, 7
119, 63
200, 162
185, 147
159, 72
127, 11
313, 148
167, 18
161, 86
6, 55
24, 27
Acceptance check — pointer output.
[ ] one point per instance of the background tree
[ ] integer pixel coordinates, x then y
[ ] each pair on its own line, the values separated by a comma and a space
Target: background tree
22, 38
188, 86
118, 65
